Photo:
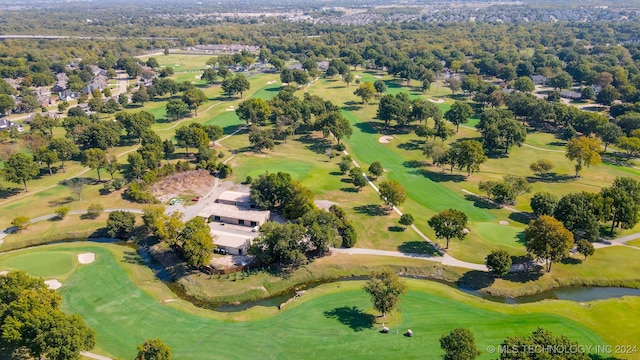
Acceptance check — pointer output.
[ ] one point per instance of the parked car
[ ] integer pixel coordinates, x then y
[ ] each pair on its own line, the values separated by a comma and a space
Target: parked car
196, 199
173, 201
255, 229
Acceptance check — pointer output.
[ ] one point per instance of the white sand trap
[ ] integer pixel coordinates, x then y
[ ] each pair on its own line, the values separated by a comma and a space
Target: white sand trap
271, 82
378, 76
198, 76
385, 139
53, 284
3, 273
504, 222
357, 77
324, 204
439, 101
86, 258
230, 108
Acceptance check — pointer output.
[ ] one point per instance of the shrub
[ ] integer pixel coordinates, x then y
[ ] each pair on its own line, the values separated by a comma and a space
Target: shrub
248, 180
406, 220
61, 212
221, 155
224, 170
136, 193
21, 222
107, 188
499, 262
120, 224
339, 147
118, 183
349, 236
94, 211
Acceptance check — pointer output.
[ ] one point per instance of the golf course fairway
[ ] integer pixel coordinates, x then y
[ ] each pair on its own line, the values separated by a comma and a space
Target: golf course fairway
122, 300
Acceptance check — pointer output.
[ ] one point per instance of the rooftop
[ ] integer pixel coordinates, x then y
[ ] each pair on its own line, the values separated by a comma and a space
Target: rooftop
232, 211
235, 196
229, 239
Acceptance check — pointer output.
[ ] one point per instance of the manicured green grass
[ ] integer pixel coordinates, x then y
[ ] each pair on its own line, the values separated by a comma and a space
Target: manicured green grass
42, 264
634, 242
181, 62
121, 300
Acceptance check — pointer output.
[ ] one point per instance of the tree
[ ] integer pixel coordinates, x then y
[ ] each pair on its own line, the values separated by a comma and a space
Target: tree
137, 165
524, 84
543, 203
141, 96
261, 139
241, 84
609, 133
33, 322
548, 239
546, 344
459, 113
385, 289
345, 164
254, 111
622, 200
459, 344
498, 262
376, 169
46, 156
286, 76
177, 109
301, 77
95, 159
20, 168
20, 222
135, 123
44, 124
191, 136
631, 145
365, 91
168, 148
580, 213
469, 155
406, 220
94, 210
585, 247
6, 103
153, 349
348, 77
561, 81
194, 97
209, 75
585, 151
197, 243
380, 86
61, 212
64, 148
280, 244
120, 224
359, 181
392, 193
449, 224
541, 167
607, 95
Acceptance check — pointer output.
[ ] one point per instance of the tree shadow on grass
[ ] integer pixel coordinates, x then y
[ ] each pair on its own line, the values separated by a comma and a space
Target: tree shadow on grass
353, 317
412, 164
10, 191
132, 257
61, 201
371, 127
371, 210
523, 270
571, 261
480, 202
349, 189
551, 177
318, 146
336, 173
522, 218
395, 228
476, 280
417, 247
439, 176
411, 145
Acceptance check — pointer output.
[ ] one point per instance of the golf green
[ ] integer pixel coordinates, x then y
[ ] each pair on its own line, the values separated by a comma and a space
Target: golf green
333, 320
42, 264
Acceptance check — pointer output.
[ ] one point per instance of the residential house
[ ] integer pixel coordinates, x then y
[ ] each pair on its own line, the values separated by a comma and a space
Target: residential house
98, 83
573, 95
68, 95
61, 83
6, 124
539, 80
235, 208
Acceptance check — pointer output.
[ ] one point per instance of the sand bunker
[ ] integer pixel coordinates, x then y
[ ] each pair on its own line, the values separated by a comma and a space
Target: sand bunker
385, 139
230, 108
271, 82
198, 77
438, 101
86, 258
53, 284
504, 222
3, 273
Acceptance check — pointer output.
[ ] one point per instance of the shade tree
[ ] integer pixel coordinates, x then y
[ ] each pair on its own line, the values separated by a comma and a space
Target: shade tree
459, 344
449, 224
385, 289
19, 169
547, 239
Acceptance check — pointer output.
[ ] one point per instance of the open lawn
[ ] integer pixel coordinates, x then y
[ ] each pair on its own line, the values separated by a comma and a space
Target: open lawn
181, 62
126, 304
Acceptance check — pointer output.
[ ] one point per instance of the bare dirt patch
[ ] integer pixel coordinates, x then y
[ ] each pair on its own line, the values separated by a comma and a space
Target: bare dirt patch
230, 261
324, 204
86, 258
385, 139
197, 182
53, 284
